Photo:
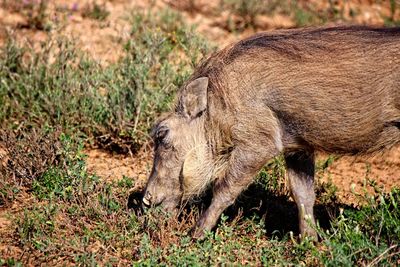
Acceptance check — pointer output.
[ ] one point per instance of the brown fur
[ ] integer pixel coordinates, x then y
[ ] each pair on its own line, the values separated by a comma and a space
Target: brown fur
333, 89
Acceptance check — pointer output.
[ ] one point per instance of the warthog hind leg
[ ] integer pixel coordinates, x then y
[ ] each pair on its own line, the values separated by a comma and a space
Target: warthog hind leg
300, 169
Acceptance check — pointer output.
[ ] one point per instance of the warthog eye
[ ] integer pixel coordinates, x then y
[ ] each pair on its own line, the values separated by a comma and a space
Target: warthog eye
161, 134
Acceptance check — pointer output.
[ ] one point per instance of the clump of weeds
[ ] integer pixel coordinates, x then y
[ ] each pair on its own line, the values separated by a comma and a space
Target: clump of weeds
96, 11
25, 157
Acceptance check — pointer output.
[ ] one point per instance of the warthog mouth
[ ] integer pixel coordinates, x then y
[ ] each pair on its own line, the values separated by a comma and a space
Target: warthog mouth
148, 203
168, 204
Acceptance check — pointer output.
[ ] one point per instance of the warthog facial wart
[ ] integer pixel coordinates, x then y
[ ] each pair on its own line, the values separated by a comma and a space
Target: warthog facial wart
295, 92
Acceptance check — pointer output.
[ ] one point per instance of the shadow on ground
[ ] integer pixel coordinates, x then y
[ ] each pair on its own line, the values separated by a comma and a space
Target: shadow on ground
278, 210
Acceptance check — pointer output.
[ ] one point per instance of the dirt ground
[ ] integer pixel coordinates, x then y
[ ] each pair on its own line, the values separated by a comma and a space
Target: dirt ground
103, 39
351, 173
113, 167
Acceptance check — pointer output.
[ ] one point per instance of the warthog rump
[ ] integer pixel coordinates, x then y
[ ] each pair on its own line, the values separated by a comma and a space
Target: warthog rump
295, 92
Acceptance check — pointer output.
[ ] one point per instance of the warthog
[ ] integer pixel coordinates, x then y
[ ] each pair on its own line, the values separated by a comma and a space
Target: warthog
331, 89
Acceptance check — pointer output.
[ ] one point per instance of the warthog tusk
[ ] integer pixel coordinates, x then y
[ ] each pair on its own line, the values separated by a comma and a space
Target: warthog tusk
146, 201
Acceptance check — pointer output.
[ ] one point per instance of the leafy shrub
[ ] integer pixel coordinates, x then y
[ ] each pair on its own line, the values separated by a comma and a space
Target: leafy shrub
29, 154
25, 157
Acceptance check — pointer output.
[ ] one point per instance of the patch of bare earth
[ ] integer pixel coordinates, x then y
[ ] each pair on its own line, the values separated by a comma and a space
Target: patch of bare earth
113, 167
352, 173
7, 249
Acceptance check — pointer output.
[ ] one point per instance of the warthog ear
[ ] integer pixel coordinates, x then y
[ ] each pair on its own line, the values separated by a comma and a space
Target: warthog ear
194, 97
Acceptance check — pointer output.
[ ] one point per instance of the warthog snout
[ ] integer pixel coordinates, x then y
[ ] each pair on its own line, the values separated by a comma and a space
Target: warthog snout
169, 200
158, 193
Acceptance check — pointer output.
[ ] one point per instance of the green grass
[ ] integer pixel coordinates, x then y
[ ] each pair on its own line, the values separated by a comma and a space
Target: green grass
54, 103
77, 218
84, 220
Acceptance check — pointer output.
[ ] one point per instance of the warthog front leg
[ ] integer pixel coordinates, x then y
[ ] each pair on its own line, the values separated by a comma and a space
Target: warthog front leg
300, 169
244, 165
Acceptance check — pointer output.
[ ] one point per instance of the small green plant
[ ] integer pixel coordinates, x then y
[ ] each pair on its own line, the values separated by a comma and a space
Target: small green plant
37, 225
38, 17
392, 20
272, 176
96, 11
393, 9
29, 154
10, 262
303, 18
25, 157
67, 178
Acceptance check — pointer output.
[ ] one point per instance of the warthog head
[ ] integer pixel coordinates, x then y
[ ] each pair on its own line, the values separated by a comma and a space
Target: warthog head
181, 154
